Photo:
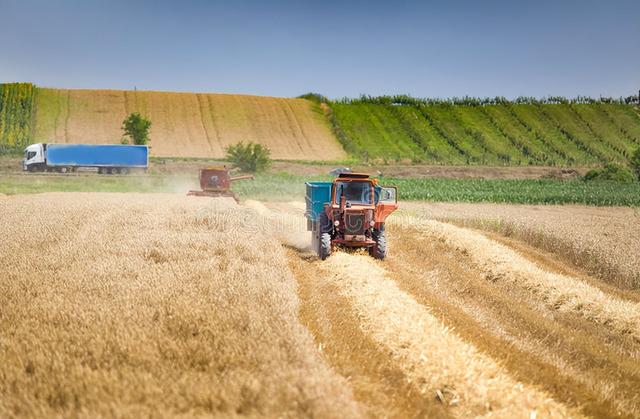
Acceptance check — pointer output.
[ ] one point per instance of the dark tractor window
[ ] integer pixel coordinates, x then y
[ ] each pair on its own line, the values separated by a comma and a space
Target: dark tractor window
354, 192
30, 155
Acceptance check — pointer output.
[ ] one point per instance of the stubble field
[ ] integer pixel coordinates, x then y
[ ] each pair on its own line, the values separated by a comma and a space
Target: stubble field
163, 305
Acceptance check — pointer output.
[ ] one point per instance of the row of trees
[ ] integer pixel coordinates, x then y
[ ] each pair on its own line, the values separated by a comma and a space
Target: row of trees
474, 101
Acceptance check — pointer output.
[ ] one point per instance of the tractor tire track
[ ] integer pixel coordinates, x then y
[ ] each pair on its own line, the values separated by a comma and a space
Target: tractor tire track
403, 342
381, 389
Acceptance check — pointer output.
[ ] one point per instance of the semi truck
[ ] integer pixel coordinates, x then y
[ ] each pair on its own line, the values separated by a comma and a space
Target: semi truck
64, 158
350, 211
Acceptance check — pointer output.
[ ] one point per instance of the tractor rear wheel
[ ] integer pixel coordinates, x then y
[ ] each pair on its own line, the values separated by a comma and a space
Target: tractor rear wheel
379, 249
324, 250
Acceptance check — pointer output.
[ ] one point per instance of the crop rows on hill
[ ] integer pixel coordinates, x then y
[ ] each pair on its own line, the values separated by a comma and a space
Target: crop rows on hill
188, 124
553, 131
16, 116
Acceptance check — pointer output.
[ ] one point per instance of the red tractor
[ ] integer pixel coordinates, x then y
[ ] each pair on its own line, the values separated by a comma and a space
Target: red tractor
351, 212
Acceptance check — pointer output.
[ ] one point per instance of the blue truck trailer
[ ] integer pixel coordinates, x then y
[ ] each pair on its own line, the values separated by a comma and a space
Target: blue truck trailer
64, 158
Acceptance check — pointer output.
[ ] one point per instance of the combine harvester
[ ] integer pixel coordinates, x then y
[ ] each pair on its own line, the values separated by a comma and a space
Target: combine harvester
350, 212
216, 182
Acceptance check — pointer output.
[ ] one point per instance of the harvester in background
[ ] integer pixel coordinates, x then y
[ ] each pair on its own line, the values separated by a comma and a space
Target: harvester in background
216, 181
351, 212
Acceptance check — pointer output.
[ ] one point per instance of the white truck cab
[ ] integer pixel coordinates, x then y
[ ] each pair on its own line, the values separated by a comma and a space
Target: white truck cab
34, 157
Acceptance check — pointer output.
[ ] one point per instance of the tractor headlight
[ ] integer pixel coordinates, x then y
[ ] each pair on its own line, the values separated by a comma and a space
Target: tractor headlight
336, 223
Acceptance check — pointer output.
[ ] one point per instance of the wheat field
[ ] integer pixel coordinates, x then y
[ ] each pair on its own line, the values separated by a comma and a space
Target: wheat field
151, 306
187, 124
162, 305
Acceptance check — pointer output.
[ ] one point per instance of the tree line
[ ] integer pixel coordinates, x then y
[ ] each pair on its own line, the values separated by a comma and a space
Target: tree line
471, 100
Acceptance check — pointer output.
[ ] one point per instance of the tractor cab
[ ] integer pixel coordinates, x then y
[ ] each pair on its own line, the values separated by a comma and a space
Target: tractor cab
354, 189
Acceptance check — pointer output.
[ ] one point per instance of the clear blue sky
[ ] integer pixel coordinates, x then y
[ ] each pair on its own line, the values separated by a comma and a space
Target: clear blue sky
337, 48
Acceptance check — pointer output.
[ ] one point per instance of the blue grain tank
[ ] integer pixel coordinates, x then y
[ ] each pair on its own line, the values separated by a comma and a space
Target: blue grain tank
318, 194
107, 158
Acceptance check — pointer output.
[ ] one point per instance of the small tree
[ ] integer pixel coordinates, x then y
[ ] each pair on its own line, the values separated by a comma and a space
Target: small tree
137, 128
249, 157
635, 163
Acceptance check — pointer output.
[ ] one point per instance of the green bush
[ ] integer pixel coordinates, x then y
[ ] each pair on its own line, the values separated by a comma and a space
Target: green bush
635, 163
610, 172
137, 128
249, 157
314, 97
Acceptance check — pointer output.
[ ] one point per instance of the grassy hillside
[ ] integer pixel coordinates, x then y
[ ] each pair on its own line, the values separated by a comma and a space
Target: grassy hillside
187, 124
495, 133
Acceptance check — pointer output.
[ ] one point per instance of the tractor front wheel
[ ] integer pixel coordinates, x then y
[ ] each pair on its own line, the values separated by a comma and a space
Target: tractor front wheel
324, 242
379, 249
325, 246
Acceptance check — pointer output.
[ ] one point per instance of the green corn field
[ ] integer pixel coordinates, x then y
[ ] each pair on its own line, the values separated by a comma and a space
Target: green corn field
16, 115
552, 132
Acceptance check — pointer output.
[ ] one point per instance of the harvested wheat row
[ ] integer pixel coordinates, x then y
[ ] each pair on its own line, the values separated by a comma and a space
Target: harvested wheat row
562, 353
558, 291
432, 357
601, 240
152, 305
